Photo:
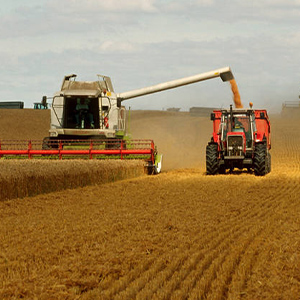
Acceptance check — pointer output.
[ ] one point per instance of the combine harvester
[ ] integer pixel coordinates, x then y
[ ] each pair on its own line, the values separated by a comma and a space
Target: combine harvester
88, 120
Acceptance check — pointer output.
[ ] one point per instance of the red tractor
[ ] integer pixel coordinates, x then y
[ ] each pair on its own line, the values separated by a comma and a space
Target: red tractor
241, 139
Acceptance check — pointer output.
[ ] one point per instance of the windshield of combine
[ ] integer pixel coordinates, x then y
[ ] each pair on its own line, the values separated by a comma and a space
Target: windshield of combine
77, 108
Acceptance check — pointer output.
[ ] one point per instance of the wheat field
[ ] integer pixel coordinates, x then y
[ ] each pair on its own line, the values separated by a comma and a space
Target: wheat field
178, 235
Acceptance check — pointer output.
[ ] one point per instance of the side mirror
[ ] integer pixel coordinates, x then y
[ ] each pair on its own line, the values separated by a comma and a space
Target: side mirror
119, 103
212, 116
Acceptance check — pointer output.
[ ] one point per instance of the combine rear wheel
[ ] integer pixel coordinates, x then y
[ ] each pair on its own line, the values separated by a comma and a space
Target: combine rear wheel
261, 160
212, 164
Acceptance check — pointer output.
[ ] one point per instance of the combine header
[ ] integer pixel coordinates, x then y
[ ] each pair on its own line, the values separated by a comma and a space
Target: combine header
85, 149
88, 120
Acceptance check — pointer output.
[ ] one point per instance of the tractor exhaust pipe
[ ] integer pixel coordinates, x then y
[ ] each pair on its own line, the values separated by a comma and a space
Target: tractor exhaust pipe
231, 118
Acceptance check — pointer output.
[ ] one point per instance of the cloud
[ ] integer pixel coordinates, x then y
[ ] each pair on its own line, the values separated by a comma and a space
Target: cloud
273, 3
99, 7
205, 2
235, 11
73, 16
110, 46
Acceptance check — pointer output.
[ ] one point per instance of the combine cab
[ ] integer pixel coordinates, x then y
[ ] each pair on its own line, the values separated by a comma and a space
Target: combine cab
241, 139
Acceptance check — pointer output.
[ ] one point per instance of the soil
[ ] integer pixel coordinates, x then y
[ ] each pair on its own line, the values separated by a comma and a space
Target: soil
177, 235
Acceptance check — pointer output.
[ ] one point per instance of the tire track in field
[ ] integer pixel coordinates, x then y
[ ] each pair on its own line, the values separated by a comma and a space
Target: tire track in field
237, 288
140, 285
270, 205
137, 278
251, 257
200, 279
197, 259
213, 284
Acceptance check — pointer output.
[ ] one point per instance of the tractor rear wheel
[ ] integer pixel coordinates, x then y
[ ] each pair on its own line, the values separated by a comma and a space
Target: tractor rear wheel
212, 164
260, 160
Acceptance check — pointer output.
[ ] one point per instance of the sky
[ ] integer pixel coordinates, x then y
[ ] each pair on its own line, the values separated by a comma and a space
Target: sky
140, 43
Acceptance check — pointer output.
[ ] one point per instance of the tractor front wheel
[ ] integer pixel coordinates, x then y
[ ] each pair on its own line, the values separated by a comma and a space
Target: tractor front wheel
212, 163
260, 160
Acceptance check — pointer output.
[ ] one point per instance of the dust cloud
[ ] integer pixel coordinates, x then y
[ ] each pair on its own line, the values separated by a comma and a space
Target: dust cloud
181, 138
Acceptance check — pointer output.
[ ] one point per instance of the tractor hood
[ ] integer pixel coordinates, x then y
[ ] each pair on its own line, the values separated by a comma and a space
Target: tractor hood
236, 142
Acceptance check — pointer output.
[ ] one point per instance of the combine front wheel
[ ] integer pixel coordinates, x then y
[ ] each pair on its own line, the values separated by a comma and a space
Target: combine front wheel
46, 142
115, 144
212, 164
49, 144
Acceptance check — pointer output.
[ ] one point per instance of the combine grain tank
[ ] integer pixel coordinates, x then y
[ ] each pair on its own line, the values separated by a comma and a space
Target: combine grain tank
241, 139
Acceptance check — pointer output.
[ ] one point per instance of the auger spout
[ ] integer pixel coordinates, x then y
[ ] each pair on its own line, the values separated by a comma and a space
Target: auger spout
224, 73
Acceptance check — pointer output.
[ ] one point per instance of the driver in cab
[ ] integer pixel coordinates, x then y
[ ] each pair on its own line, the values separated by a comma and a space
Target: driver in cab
82, 111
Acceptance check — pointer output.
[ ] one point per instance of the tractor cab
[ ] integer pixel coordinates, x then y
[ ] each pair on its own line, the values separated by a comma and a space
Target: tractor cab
236, 131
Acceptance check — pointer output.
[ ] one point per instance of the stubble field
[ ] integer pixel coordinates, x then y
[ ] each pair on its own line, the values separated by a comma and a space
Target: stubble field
178, 235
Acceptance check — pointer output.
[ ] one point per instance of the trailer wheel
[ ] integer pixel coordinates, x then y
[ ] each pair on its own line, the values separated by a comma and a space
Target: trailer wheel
260, 160
212, 164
